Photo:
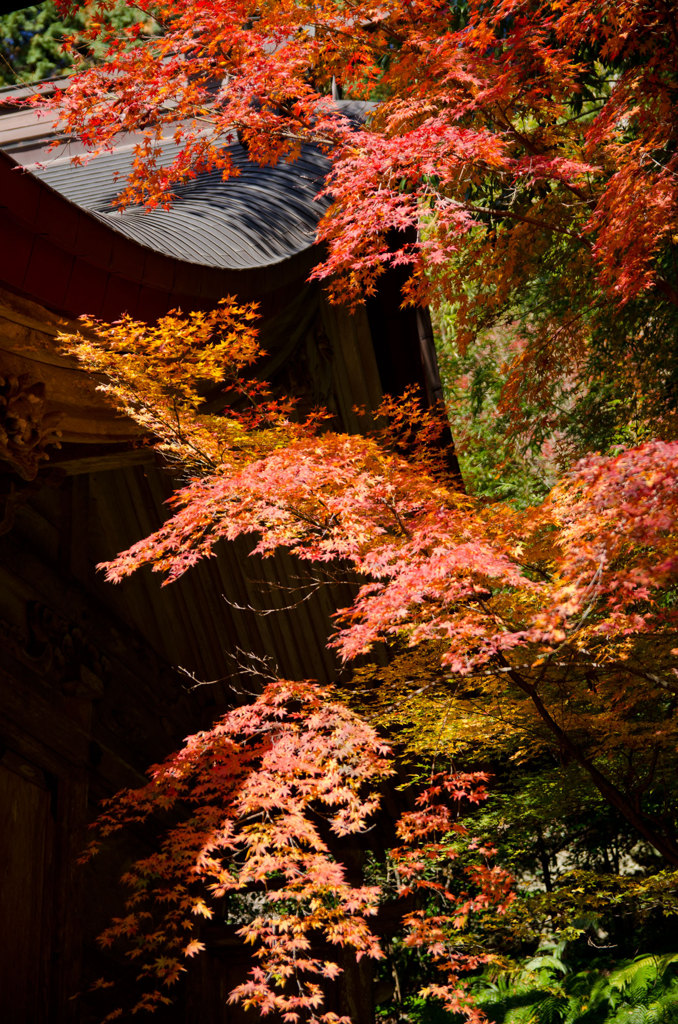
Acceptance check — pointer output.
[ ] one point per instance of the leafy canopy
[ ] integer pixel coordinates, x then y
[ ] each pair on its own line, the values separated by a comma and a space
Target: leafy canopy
559, 598
32, 39
519, 159
516, 156
515, 125
526, 607
264, 794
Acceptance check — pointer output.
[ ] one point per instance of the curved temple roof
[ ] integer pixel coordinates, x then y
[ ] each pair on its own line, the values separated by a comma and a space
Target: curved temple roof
65, 250
258, 218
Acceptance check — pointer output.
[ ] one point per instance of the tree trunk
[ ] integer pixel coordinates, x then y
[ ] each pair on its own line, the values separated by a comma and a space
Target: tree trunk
649, 829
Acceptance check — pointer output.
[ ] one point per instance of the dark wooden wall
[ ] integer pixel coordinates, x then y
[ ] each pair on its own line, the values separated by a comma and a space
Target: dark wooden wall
90, 694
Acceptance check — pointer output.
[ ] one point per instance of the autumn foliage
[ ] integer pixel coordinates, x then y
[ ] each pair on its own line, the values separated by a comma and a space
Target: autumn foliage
263, 794
516, 158
519, 158
567, 590
531, 119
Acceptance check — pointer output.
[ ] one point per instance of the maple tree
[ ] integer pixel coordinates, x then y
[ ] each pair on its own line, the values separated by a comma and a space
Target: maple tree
516, 153
523, 118
559, 598
527, 148
567, 589
266, 788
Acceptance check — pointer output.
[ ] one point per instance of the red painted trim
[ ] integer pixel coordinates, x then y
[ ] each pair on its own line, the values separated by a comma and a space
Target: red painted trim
65, 258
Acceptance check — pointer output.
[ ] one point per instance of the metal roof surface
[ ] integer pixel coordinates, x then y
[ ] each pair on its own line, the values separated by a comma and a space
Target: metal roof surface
260, 217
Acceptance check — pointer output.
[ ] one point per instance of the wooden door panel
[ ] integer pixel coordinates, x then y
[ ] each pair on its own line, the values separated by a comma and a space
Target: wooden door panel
26, 848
